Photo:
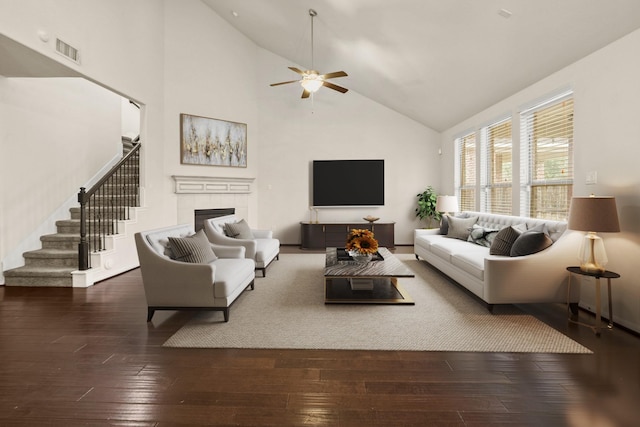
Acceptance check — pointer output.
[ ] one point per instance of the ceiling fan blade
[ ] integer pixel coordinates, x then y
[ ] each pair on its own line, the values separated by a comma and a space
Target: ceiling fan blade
334, 75
305, 94
296, 70
335, 87
284, 83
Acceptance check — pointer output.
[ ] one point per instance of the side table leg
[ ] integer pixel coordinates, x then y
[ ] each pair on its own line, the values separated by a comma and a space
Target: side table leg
598, 307
572, 308
610, 326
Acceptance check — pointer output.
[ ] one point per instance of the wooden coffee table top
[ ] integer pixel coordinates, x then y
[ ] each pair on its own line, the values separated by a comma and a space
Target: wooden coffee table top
389, 267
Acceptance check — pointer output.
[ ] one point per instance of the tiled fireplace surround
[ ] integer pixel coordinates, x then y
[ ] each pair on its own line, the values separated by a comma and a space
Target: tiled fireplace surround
204, 192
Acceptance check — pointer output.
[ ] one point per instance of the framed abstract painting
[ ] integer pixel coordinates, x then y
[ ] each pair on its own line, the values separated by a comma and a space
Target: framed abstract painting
212, 142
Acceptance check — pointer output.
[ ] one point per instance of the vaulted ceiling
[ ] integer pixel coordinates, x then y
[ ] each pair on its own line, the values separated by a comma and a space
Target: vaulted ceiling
435, 61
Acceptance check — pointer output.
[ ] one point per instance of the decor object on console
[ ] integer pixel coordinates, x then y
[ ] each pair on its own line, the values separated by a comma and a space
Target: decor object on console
260, 245
312, 80
213, 142
214, 278
593, 214
370, 218
427, 206
361, 245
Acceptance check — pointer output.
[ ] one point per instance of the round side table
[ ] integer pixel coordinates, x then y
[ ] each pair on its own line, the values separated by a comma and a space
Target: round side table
605, 274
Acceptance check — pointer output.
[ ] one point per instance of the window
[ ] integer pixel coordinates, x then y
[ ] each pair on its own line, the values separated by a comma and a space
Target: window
546, 172
497, 168
466, 173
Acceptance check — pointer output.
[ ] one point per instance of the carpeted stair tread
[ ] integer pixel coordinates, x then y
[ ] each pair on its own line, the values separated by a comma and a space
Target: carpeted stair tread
30, 271
51, 253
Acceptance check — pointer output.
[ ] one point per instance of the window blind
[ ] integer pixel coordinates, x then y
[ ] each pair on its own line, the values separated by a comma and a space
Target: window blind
497, 168
547, 158
466, 154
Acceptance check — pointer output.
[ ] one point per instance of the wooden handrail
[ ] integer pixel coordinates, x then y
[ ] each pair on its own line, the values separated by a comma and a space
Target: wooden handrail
107, 202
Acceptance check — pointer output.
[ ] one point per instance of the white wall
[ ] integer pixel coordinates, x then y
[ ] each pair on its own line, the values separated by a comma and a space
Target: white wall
56, 135
331, 125
210, 71
607, 124
121, 47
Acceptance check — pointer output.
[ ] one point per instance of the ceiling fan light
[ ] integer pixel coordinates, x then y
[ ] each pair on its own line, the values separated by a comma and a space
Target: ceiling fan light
311, 85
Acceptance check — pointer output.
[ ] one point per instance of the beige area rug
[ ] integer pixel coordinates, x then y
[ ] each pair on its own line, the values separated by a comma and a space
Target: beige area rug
287, 310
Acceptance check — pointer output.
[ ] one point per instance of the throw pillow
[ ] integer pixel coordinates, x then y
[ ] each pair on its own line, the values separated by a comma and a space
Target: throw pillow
238, 230
195, 248
459, 228
444, 224
504, 239
530, 242
482, 236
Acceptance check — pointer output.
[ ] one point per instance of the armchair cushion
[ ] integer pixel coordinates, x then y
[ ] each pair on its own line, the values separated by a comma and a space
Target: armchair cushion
195, 249
238, 230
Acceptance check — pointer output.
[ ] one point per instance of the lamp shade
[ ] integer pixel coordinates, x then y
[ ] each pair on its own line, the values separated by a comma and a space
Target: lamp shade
447, 204
597, 214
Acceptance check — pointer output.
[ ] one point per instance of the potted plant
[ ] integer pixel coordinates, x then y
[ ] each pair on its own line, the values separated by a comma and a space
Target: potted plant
427, 206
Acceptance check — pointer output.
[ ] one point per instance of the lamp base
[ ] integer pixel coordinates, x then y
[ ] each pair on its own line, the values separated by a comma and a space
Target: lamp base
592, 268
593, 257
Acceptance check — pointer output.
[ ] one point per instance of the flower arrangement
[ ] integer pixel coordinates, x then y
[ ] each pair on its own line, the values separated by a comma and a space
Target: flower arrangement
361, 241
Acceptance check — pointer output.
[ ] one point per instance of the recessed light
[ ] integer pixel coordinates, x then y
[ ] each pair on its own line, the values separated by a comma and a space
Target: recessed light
505, 13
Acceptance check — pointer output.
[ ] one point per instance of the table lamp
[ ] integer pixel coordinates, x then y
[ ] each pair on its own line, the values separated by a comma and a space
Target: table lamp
447, 204
593, 214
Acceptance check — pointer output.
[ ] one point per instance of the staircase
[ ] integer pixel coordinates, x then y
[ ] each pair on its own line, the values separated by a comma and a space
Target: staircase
51, 266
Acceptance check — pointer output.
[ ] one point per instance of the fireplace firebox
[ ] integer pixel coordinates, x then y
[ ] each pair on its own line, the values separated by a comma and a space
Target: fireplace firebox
201, 215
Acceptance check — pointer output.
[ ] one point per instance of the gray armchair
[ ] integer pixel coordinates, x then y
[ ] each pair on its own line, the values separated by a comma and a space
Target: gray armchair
260, 246
170, 284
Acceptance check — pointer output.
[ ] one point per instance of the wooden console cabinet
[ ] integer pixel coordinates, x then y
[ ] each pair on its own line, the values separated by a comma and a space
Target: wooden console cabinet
334, 234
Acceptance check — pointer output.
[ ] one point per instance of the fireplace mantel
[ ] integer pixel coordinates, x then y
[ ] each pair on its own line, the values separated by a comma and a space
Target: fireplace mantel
212, 185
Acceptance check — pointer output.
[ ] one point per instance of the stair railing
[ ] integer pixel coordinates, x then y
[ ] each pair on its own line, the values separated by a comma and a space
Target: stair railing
106, 203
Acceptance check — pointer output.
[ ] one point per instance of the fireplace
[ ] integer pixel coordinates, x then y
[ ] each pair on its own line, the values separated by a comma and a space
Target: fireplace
201, 215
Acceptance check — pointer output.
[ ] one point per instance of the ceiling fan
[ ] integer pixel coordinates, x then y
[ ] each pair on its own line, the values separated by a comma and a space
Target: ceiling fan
312, 80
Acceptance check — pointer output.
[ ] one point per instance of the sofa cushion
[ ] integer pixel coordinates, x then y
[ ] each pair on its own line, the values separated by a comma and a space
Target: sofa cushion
426, 240
482, 236
445, 248
238, 230
459, 228
503, 241
472, 262
195, 249
530, 242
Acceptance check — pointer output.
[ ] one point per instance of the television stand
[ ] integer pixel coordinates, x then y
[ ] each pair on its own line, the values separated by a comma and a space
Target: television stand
322, 235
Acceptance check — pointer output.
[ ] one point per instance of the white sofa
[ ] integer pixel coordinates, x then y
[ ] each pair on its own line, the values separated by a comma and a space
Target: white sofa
175, 285
536, 278
263, 248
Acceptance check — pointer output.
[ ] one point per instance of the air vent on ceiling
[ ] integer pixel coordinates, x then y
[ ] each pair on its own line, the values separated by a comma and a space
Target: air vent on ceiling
67, 51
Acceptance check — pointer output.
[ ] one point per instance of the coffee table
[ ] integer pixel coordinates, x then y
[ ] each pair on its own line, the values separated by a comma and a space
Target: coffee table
347, 282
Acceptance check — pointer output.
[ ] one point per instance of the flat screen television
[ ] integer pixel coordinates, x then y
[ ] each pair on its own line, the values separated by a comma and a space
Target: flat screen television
348, 183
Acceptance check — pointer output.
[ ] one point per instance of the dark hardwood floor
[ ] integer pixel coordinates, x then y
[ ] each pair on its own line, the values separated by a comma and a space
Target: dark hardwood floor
73, 357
